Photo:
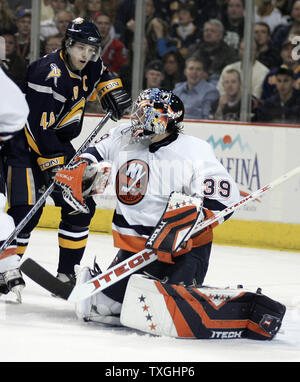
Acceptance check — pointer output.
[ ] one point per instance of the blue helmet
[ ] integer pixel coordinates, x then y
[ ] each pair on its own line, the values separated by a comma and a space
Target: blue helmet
83, 31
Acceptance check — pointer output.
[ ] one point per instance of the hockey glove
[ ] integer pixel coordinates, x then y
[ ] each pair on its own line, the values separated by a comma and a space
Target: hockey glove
50, 165
114, 98
81, 180
170, 237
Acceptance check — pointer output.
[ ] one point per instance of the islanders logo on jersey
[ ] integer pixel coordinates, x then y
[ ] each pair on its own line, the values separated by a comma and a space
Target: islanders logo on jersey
54, 73
132, 181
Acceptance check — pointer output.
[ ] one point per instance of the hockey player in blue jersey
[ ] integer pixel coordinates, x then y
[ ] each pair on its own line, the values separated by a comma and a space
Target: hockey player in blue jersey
58, 86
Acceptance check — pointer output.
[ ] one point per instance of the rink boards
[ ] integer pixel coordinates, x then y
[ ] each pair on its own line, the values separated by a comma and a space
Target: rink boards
254, 155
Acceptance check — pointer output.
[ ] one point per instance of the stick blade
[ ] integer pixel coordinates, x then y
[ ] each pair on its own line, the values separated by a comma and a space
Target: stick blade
45, 279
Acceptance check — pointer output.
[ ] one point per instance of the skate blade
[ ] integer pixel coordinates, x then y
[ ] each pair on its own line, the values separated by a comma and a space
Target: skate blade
17, 290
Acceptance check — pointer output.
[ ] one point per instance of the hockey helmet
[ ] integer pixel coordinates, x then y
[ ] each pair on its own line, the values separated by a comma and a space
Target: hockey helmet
156, 111
86, 32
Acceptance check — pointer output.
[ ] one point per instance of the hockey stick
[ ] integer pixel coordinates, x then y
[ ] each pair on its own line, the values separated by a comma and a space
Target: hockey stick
133, 263
49, 190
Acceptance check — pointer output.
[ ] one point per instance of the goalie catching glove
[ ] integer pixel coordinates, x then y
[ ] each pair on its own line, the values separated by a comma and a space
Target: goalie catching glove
170, 237
82, 179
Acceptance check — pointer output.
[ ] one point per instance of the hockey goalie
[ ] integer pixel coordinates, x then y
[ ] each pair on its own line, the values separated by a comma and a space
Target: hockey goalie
165, 182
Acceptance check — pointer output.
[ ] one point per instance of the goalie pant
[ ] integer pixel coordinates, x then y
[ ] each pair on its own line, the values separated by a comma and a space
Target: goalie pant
204, 313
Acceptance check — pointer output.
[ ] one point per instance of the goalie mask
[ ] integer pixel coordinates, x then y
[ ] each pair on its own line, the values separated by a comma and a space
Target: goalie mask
156, 111
86, 35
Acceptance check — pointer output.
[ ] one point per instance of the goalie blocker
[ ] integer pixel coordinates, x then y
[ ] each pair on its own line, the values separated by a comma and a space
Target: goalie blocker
204, 313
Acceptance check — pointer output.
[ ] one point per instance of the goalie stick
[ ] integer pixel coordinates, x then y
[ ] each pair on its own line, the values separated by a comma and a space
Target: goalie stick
49, 190
133, 263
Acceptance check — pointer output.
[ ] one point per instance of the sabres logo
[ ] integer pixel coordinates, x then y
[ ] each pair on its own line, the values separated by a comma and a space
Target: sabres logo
132, 181
55, 73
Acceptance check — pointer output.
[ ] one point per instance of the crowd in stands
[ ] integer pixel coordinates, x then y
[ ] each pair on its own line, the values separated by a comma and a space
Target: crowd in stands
192, 47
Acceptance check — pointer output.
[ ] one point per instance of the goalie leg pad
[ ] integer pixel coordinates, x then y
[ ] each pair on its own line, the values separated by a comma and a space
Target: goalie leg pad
203, 313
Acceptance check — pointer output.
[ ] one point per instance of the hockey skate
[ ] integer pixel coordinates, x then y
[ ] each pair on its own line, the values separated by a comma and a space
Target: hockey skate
99, 307
12, 281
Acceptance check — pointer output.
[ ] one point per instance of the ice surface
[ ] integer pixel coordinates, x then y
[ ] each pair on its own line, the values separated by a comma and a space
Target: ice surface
45, 329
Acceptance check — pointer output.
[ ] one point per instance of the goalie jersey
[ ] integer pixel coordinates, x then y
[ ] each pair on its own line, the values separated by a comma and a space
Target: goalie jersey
144, 176
57, 99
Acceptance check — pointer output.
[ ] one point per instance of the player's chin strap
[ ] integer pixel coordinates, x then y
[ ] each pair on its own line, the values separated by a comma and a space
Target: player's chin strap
49, 190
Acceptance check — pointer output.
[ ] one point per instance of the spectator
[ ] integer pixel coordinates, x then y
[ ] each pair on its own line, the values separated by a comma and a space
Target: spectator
267, 54
269, 85
17, 5
126, 69
23, 34
281, 34
7, 19
282, 107
233, 21
173, 69
53, 43
213, 50
155, 28
114, 53
14, 65
284, 7
228, 106
87, 8
48, 27
124, 22
265, 11
196, 93
259, 71
154, 75
185, 32
62, 20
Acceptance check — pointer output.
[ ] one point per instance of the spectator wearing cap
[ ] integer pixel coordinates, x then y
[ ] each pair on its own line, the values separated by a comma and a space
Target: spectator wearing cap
269, 84
196, 93
154, 75
23, 34
283, 106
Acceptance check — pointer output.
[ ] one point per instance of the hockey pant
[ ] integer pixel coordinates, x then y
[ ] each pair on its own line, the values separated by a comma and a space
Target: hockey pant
25, 187
188, 269
199, 312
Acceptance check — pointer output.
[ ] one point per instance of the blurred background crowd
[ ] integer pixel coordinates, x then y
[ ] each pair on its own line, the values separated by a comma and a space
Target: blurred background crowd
192, 47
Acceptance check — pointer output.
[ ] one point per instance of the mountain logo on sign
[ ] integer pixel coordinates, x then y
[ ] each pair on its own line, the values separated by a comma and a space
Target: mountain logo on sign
227, 143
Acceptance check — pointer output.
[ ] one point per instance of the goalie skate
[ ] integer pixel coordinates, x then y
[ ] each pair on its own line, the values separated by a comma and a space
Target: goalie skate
14, 282
97, 308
